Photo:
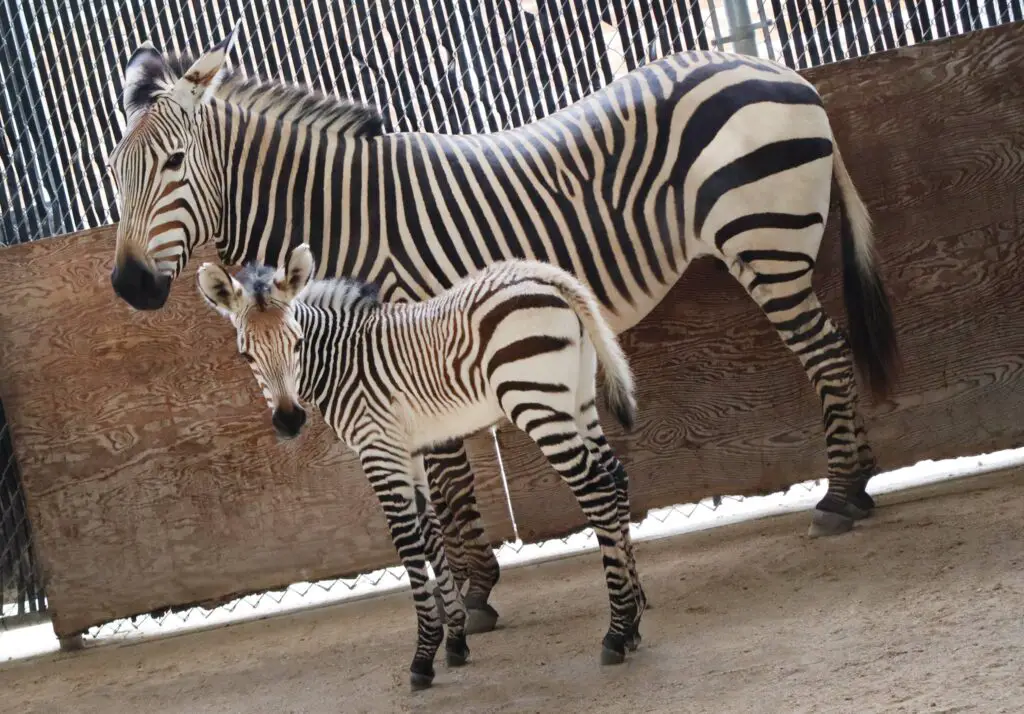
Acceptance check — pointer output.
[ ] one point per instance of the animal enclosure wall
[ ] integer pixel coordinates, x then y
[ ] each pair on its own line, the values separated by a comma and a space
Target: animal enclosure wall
152, 477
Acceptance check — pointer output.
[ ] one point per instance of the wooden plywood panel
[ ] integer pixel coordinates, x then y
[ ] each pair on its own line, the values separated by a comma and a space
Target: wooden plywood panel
151, 473
934, 138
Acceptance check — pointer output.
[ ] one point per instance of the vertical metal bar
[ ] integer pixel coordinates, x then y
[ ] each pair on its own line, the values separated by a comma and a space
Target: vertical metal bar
740, 27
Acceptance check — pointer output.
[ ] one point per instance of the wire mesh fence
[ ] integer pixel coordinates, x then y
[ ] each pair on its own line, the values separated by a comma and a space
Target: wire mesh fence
431, 65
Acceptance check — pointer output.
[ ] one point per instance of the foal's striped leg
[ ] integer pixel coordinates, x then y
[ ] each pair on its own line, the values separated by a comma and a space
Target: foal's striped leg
451, 539
551, 424
448, 599
388, 468
451, 481
590, 427
786, 296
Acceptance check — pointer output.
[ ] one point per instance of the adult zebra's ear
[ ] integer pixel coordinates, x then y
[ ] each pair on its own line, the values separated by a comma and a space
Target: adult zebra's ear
205, 75
145, 74
297, 272
219, 289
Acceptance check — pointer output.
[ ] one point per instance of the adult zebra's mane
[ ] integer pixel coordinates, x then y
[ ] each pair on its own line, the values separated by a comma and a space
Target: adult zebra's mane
291, 103
336, 294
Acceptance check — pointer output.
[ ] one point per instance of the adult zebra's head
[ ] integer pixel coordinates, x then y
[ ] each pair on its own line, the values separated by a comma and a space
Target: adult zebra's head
259, 304
166, 190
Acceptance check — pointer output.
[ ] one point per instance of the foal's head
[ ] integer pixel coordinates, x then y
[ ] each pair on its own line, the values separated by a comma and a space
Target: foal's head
259, 303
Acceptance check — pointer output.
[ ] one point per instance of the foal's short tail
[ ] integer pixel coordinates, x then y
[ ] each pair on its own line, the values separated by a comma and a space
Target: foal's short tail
869, 315
619, 390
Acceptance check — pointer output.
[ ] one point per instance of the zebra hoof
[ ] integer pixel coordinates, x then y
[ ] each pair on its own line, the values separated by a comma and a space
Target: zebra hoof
480, 619
863, 503
633, 641
421, 675
613, 649
456, 651
419, 682
827, 523
610, 656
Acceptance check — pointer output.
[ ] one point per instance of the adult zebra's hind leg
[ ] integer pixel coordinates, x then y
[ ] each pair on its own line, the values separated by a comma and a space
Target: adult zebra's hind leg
475, 566
787, 297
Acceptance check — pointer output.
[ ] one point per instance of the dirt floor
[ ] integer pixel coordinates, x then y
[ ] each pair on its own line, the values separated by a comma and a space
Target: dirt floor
921, 609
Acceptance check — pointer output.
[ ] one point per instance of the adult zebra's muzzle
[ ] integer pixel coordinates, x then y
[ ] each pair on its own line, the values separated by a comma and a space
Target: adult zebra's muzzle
288, 423
139, 286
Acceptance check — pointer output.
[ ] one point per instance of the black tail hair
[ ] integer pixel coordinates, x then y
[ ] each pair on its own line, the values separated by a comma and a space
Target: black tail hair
869, 315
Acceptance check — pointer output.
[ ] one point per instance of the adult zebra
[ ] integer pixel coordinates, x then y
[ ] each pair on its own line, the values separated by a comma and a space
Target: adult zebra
698, 153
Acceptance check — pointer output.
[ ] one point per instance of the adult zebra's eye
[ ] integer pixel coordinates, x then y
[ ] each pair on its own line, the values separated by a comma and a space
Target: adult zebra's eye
174, 161
298, 345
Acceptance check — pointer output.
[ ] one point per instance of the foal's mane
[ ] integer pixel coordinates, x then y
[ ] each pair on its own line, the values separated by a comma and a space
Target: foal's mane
334, 294
340, 294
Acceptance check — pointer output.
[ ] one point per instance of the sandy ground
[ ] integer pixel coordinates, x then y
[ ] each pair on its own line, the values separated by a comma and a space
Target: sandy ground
921, 609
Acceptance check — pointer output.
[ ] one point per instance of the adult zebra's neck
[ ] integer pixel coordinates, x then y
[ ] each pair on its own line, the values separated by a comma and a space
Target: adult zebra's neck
285, 182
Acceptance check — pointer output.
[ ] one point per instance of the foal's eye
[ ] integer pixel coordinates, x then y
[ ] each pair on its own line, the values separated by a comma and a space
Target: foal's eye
174, 161
298, 345
248, 357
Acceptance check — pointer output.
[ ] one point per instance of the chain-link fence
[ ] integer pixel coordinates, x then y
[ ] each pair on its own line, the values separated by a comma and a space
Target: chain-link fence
433, 65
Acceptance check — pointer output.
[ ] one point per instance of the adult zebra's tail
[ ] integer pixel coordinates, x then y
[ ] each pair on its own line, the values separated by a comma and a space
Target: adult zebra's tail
869, 315
619, 390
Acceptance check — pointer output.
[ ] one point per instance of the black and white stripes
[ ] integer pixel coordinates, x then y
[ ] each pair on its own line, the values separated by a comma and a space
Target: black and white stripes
698, 153
520, 340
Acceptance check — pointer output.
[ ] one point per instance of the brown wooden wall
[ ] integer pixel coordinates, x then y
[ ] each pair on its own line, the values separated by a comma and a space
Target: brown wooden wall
152, 476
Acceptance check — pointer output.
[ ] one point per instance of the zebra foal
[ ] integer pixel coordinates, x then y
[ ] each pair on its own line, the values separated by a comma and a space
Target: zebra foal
519, 340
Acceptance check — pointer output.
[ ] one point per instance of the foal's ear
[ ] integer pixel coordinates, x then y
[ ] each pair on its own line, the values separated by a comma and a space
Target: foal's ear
296, 274
202, 78
219, 289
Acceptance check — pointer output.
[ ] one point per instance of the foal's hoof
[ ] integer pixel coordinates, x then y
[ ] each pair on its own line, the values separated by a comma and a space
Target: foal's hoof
613, 649
419, 682
421, 675
610, 656
827, 523
480, 618
456, 651
633, 641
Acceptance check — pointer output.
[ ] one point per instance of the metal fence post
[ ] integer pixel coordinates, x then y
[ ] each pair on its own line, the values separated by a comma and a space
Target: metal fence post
741, 28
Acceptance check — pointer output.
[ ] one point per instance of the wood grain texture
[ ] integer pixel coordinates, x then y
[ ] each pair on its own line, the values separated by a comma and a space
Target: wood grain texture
151, 472
153, 478
933, 136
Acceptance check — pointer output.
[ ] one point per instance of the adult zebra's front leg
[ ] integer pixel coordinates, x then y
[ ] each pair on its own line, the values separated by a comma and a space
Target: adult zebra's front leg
471, 557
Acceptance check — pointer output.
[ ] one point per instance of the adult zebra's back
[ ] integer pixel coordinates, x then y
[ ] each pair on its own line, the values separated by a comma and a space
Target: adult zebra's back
698, 153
